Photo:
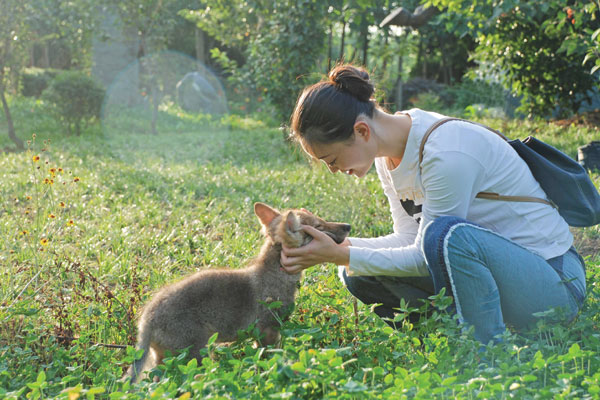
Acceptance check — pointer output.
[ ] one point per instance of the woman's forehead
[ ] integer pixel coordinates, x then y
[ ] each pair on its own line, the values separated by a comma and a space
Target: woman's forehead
318, 151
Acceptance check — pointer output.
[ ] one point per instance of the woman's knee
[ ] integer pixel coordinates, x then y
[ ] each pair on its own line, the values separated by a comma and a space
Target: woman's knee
362, 287
434, 242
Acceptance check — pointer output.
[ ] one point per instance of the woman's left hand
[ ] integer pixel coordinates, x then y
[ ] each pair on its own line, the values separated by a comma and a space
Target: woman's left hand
320, 250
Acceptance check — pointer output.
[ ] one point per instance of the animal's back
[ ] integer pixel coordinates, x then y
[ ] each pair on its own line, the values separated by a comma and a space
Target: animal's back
201, 304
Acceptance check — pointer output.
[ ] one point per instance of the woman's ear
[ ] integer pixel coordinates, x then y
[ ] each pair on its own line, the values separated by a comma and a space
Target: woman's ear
362, 129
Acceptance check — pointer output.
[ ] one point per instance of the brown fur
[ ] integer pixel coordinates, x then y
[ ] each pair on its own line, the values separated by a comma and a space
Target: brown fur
187, 313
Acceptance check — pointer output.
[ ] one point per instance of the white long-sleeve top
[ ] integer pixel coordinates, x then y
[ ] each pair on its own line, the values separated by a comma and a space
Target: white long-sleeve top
460, 159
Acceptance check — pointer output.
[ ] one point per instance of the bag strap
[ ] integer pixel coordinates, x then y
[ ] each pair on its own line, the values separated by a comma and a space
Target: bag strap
481, 195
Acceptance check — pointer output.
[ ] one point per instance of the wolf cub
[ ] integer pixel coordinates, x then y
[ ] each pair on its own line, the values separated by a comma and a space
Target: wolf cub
188, 312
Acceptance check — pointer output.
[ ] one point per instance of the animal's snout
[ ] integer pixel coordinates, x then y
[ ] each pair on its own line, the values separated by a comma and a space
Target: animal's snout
346, 227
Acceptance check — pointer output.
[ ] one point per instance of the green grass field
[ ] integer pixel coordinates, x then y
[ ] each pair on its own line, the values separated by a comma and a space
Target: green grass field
90, 229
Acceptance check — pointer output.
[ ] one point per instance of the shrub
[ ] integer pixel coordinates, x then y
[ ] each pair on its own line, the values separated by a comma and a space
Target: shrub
416, 87
74, 99
35, 80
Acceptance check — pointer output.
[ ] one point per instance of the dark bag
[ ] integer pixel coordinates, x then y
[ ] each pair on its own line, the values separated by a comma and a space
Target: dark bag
566, 183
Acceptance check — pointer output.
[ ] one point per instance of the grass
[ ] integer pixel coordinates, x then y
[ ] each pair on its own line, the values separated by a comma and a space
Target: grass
124, 213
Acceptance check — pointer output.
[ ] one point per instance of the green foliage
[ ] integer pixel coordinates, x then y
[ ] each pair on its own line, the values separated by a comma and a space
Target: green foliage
282, 41
139, 211
35, 80
75, 99
539, 46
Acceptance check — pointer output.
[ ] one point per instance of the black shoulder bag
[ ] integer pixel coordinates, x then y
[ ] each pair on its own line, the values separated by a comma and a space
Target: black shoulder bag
565, 182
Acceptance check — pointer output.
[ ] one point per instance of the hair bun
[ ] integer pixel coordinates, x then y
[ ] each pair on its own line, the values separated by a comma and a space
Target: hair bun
352, 80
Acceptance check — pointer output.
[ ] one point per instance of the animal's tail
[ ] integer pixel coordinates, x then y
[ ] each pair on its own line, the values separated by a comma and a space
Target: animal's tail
139, 366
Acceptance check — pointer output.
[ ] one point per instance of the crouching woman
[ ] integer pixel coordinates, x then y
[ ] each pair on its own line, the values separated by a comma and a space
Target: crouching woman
503, 262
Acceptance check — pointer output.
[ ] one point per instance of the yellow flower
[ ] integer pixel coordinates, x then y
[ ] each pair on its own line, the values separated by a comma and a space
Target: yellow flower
51, 216
70, 223
76, 179
44, 242
24, 232
28, 197
53, 171
61, 204
36, 158
46, 181
60, 170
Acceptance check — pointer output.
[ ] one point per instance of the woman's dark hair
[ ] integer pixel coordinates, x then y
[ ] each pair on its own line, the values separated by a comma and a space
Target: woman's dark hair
326, 111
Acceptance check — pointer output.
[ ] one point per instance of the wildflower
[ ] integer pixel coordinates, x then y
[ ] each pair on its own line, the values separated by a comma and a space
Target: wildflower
24, 232
44, 242
61, 204
53, 171
33, 136
51, 216
70, 223
28, 197
46, 181
60, 170
36, 158
76, 179
27, 212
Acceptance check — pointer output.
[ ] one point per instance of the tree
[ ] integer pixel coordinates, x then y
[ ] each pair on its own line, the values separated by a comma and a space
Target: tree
14, 31
58, 24
540, 47
151, 20
280, 42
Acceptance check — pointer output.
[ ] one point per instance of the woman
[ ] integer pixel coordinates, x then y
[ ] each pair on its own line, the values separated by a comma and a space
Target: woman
501, 261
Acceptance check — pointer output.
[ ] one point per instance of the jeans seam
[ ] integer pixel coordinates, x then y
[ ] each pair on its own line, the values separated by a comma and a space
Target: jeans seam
446, 263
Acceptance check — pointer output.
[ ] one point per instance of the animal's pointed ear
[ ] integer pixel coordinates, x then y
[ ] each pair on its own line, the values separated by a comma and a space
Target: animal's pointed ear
265, 213
292, 223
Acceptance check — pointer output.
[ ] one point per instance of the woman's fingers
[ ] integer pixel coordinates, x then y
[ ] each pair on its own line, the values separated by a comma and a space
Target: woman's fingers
314, 232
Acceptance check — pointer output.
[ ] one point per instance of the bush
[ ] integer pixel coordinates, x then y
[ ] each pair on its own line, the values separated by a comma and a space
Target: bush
35, 80
75, 99
416, 88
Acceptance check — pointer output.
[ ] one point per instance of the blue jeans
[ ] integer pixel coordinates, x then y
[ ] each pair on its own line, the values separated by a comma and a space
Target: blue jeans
493, 280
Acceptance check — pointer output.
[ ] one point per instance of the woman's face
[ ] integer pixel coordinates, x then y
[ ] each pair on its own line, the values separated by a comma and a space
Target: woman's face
353, 157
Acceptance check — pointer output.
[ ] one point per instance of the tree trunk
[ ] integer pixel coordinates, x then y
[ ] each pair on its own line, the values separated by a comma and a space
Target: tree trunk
329, 49
365, 49
386, 36
399, 85
32, 55
200, 46
11, 128
46, 59
420, 54
155, 101
341, 58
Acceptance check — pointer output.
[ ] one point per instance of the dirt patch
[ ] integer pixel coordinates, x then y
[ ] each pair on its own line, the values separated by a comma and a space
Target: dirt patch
590, 119
586, 243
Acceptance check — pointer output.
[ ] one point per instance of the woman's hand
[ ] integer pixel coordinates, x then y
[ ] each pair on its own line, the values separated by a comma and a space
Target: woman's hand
320, 250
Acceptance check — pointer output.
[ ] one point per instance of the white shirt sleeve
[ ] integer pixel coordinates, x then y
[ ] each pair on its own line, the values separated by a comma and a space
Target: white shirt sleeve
449, 179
